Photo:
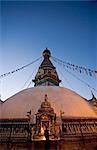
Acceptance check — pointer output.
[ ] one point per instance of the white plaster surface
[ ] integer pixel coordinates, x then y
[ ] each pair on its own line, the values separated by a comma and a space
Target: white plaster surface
60, 98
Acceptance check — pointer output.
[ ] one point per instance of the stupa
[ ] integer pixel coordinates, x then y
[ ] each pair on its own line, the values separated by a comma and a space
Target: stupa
65, 114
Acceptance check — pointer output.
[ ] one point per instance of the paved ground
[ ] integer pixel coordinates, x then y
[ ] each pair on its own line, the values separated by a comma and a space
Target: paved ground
51, 145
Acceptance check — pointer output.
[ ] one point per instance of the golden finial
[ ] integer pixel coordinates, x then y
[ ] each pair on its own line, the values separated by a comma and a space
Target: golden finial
46, 97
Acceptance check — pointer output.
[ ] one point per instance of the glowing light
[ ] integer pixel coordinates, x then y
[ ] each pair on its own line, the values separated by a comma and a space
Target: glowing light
42, 130
43, 138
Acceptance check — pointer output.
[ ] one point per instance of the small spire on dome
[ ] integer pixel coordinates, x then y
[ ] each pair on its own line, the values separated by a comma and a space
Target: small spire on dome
46, 53
46, 98
92, 95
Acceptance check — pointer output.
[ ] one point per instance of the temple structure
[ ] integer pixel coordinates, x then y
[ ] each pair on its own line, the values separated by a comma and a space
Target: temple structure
66, 115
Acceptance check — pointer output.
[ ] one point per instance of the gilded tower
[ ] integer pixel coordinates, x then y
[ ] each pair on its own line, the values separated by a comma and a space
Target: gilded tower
46, 74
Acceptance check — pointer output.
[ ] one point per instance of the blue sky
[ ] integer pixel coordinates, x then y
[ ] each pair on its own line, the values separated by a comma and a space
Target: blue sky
68, 29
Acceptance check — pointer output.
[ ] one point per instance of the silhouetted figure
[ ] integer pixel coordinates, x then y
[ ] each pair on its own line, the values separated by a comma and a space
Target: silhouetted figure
47, 144
46, 134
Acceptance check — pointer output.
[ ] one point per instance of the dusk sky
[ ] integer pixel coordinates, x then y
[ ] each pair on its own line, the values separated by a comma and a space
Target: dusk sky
68, 29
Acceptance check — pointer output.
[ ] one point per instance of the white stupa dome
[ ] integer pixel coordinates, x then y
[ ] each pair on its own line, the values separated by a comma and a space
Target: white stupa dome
60, 98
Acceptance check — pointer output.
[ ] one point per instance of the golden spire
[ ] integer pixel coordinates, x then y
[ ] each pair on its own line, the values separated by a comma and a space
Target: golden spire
46, 74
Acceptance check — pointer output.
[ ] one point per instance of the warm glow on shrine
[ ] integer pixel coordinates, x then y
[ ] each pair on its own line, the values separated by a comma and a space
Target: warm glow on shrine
44, 138
42, 131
